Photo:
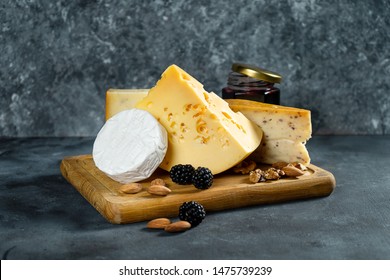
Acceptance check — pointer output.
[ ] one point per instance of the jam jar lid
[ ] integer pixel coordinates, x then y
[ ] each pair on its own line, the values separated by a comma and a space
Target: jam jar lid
256, 72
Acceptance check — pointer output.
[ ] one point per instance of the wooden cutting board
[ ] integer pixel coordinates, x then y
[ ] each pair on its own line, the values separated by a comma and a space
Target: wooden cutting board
228, 191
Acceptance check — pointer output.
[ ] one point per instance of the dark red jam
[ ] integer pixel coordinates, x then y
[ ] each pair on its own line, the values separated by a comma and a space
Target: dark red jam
252, 83
243, 87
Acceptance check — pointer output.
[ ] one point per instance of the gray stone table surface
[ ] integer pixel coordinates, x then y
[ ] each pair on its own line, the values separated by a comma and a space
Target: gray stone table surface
43, 217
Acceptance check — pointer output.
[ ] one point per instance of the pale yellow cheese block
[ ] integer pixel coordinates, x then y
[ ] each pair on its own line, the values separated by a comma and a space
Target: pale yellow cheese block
286, 130
118, 100
202, 129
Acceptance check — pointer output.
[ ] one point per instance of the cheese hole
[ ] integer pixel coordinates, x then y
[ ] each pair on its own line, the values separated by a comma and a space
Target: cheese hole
213, 116
202, 129
202, 139
227, 115
183, 128
206, 96
173, 125
225, 143
205, 139
197, 114
200, 121
187, 107
186, 77
240, 127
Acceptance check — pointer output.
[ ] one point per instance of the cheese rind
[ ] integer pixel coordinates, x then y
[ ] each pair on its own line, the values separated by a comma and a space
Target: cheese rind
130, 146
202, 129
286, 130
118, 100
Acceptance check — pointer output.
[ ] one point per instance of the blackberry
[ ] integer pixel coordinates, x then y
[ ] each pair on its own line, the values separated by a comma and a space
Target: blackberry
202, 178
182, 174
192, 212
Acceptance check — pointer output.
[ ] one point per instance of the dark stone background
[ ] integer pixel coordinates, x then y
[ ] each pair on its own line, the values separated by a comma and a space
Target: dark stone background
57, 58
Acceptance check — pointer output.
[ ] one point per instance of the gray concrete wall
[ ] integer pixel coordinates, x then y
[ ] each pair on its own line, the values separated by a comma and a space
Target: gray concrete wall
57, 58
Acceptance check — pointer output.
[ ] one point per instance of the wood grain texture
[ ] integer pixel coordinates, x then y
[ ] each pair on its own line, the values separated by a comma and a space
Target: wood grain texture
228, 191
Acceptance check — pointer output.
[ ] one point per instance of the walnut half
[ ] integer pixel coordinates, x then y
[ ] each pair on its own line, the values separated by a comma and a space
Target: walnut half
245, 167
256, 176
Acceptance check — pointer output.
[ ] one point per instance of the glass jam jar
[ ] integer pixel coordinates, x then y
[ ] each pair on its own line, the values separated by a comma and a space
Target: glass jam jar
252, 83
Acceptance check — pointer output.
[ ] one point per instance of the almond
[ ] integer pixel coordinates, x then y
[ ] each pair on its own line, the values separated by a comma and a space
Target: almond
158, 190
292, 171
300, 166
131, 188
178, 226
279, 164
158, 181
159, 223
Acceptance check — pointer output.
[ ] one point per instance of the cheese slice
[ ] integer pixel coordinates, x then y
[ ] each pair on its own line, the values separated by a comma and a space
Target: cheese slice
118, 100
286, 130
202, 129
130, 146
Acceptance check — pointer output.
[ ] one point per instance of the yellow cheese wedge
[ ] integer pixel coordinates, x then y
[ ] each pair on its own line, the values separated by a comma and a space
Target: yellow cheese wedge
286, 130
202, 129
118, 100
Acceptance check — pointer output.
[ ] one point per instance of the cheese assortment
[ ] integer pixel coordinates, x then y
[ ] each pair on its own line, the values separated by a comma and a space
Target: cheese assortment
202, 129
118, 100
179, 122
191, 135
286, 130
130, 146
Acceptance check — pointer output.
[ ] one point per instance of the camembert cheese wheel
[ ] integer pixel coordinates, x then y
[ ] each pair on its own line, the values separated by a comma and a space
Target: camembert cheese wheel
130, 146
202, 129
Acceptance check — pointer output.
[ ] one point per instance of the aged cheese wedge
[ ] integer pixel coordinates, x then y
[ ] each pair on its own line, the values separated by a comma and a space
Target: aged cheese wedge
118, 100
130, 146
202, 129
286, 130
276, 150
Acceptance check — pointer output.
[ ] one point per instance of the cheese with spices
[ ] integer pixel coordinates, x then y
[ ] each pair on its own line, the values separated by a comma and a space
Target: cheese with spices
286, 130
202, 129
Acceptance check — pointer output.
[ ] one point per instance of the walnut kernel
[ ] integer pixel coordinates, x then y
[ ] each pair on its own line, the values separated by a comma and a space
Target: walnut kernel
272, 174
245, 167
256, 176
